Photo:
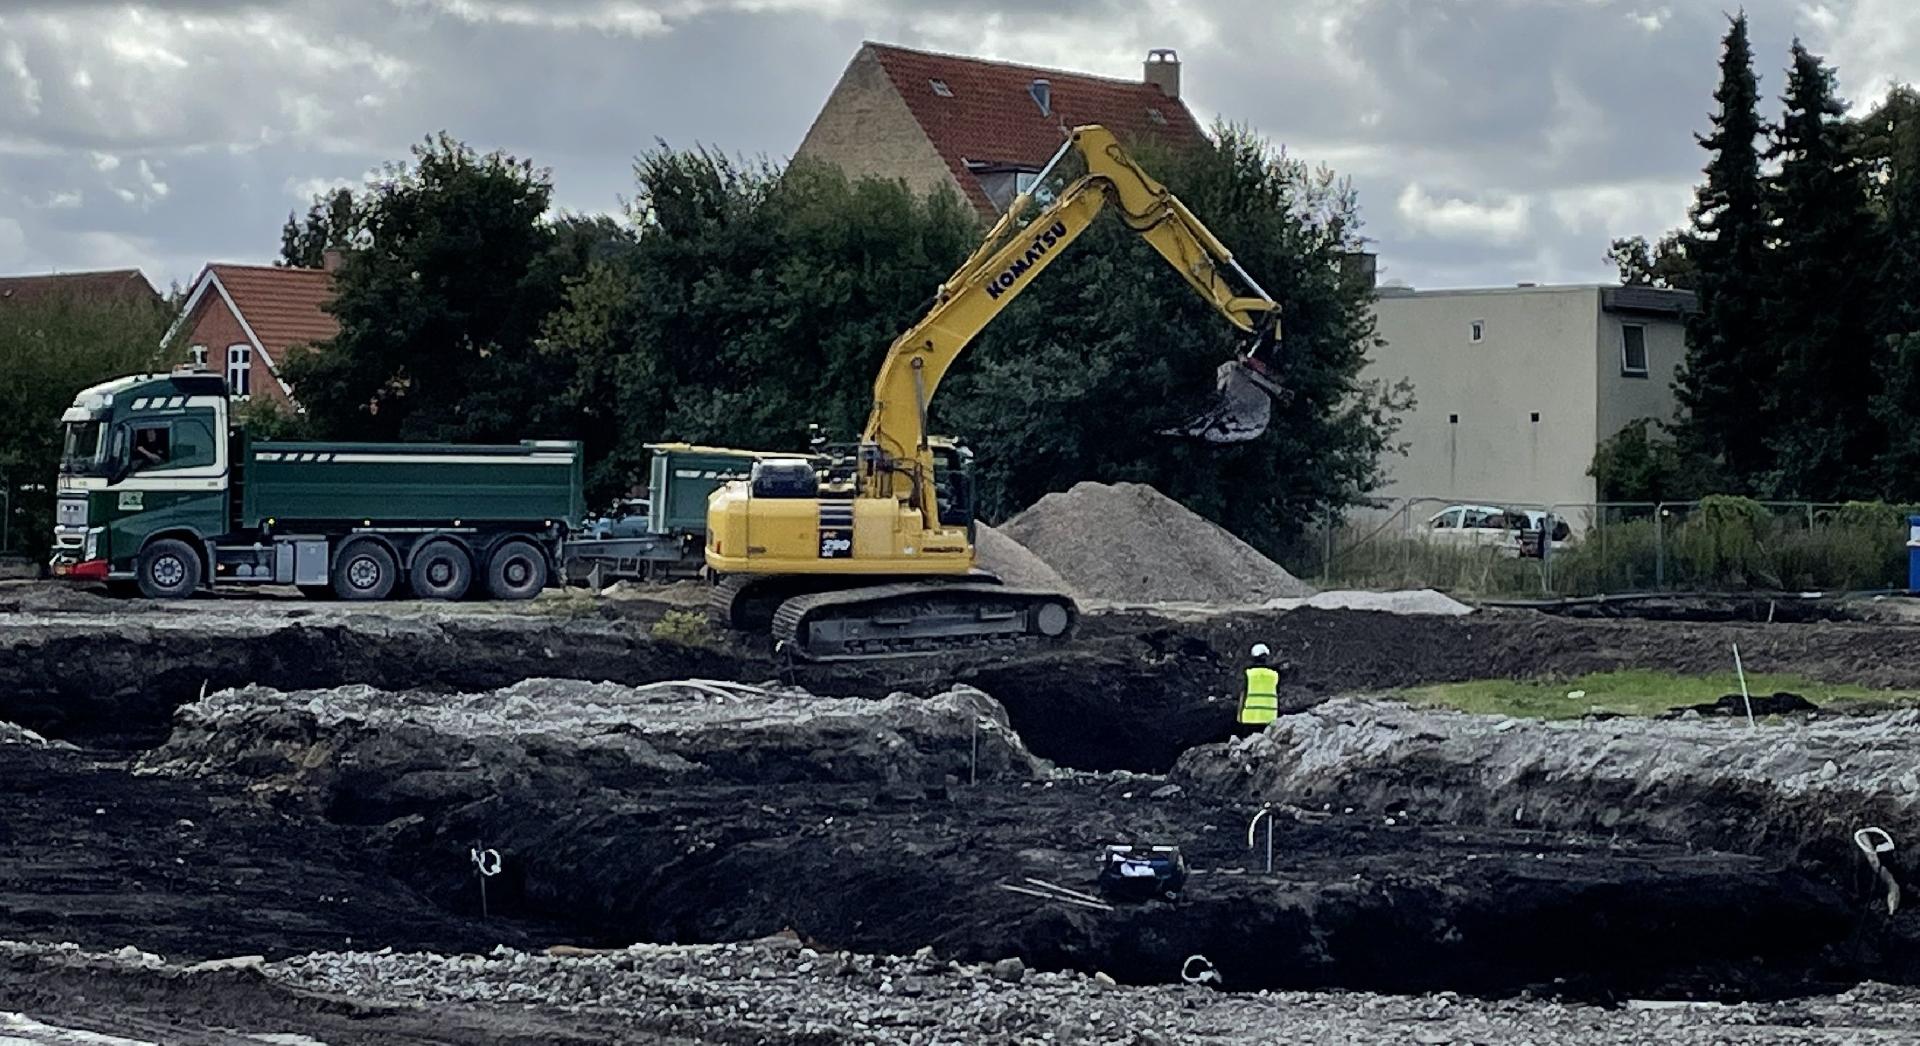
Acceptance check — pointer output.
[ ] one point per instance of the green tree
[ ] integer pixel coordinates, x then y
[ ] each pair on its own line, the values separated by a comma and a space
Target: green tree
1820, 305
1664, 264
441, 303
1640, 463
332, 223
52, 349
1726, 384
1890, 143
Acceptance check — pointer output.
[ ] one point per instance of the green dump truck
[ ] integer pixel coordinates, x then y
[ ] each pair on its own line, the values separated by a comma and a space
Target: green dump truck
157, 491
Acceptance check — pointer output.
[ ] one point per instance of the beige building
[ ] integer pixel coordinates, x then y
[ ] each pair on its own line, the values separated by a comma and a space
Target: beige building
1517, 386
982, 128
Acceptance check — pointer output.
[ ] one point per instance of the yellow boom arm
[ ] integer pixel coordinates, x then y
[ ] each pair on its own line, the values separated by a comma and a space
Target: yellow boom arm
1005, 264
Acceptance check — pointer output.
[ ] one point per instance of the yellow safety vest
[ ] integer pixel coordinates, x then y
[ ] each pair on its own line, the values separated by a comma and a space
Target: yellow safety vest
1262, 703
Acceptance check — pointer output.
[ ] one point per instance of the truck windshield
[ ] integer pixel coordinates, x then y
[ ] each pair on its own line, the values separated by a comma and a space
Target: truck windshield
83, 444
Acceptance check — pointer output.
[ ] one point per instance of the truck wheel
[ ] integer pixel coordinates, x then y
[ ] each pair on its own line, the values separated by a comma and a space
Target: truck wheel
168, 569
516, 571
441, 570
365, 571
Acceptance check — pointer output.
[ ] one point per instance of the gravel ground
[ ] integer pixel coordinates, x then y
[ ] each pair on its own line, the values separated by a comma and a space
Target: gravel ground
779, 992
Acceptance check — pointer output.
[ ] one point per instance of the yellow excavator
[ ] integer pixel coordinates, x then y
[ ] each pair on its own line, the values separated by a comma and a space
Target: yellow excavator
873, 555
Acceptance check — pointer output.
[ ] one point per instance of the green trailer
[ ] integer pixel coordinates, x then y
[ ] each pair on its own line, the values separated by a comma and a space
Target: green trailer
157, 492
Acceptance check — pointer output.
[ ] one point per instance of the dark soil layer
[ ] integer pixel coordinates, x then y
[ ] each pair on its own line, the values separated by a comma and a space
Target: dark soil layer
1352, 903
91, 854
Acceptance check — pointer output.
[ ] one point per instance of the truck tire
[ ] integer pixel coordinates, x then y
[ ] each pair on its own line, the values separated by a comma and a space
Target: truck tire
168, 569
441, 570
364, 571
517, 570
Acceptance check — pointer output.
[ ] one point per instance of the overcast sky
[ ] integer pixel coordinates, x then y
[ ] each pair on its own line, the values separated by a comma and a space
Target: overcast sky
1492, 141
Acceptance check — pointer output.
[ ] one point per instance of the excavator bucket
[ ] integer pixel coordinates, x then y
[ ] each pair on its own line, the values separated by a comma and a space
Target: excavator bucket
1245, 389
1242, 405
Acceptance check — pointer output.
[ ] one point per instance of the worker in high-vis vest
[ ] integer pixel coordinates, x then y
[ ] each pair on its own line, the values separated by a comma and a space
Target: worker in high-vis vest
1261, 703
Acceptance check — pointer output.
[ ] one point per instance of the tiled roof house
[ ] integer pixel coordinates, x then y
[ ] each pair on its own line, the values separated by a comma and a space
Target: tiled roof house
978, 126
117, 285
242, 320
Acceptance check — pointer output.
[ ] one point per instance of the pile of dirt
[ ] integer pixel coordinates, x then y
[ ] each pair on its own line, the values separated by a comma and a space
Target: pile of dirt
1129, 543
1015, 564
409, 751
1800, 786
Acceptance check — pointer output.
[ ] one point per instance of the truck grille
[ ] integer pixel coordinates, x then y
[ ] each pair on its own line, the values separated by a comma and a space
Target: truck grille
71, 512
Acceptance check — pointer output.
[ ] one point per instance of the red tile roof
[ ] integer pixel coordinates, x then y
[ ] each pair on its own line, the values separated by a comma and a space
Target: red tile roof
283, 306
992, 119
114, 285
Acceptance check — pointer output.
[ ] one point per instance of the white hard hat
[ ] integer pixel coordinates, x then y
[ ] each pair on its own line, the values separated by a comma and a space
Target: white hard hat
1260, 650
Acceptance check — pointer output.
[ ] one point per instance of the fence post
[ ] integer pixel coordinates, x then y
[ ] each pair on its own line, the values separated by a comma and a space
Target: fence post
1659, 545
1326, 564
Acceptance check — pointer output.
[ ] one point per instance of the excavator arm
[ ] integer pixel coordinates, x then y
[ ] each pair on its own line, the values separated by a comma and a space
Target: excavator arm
1008, 261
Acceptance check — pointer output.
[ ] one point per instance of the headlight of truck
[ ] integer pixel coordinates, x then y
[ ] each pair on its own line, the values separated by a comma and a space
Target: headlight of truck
93, 544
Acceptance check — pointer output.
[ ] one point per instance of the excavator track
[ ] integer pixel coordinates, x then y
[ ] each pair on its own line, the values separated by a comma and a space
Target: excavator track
912, 618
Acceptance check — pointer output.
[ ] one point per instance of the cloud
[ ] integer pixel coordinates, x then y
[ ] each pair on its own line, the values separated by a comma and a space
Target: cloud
1500, 220
61, 201
26, 86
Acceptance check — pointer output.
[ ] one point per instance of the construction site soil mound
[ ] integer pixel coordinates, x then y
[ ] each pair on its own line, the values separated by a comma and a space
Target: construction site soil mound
1015, 564
372, 755
1129, 543
1413, 601
1801, 786
782, 993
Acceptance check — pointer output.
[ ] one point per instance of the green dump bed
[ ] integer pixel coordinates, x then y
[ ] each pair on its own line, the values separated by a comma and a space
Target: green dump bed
396, 484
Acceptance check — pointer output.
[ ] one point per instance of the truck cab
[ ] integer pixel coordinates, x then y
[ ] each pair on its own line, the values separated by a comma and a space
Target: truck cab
141, 456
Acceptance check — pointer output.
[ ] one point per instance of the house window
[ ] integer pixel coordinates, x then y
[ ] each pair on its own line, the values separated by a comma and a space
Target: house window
1024, 180
239, 370
1633, 351
1477, 331
940, 88
199, 356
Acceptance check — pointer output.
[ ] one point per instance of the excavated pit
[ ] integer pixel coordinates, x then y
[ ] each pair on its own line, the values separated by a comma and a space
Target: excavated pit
698, 814
852, 820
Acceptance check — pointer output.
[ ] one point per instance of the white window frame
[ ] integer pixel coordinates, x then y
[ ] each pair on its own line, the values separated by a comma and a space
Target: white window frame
1476, 331
1627, 370
198, 354
240, 361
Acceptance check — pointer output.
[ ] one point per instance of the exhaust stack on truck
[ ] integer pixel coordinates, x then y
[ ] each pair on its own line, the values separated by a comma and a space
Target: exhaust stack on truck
158, 491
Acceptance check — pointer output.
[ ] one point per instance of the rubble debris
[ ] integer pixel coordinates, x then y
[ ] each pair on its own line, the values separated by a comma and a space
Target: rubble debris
412, 750
1777, 703
1695, 780
743, 993
1129, 543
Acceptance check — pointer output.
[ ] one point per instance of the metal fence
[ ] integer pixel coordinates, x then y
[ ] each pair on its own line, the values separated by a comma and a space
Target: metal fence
1613, 547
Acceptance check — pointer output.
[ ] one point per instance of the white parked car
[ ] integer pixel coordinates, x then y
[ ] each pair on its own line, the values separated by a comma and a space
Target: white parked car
1513, 531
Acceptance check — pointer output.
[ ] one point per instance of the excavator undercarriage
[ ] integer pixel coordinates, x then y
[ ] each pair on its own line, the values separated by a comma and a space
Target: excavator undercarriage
848, 619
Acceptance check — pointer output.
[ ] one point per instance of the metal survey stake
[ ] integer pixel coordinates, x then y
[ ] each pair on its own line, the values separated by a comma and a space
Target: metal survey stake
1267, 813
487, 863
1742, 673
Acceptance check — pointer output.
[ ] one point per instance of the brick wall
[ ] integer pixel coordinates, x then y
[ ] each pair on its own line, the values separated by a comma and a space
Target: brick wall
866, 129
215, 327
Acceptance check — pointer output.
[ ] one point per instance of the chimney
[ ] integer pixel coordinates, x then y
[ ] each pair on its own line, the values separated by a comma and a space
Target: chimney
1163, 71
331, 258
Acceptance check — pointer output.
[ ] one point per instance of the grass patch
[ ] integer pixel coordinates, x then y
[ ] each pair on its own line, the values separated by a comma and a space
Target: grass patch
1631, 692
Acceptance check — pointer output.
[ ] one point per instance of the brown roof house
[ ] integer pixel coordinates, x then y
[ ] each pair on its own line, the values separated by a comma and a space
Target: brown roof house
116, 286
983, 128
242, 320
